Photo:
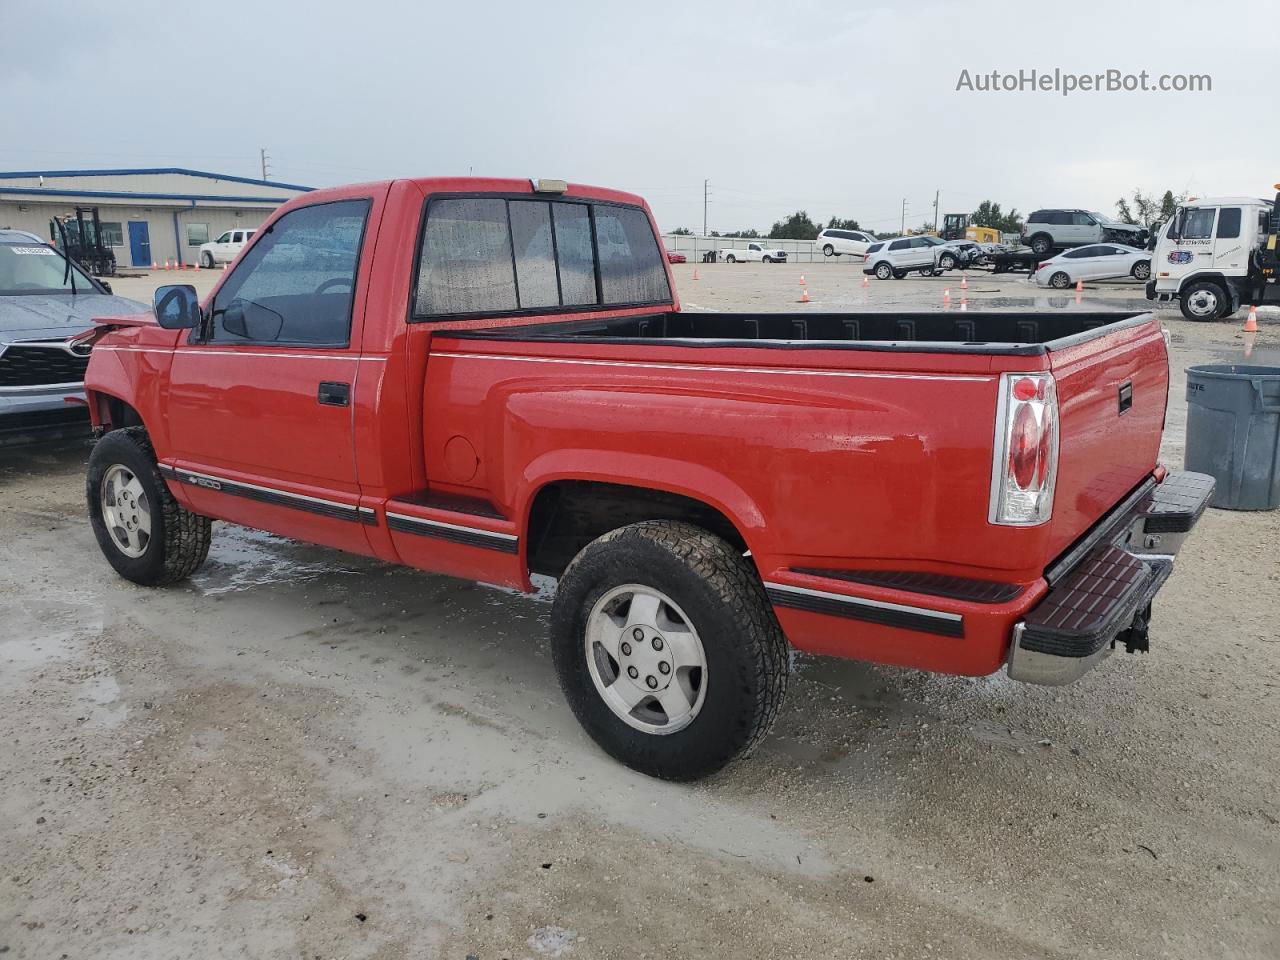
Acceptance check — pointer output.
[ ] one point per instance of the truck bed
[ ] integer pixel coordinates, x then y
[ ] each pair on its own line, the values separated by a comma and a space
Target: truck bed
1008, 334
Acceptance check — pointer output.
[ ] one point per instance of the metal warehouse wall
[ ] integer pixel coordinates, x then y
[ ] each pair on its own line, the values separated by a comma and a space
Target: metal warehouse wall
34, 217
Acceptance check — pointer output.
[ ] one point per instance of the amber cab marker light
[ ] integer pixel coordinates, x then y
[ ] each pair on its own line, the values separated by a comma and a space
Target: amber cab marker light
550, 186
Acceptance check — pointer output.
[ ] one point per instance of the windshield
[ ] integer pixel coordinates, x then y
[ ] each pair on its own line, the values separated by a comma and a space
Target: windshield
932, 241
36, 268
1103, 218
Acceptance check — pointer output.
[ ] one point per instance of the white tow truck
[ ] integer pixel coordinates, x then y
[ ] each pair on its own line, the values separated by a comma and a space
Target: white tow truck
1216, 253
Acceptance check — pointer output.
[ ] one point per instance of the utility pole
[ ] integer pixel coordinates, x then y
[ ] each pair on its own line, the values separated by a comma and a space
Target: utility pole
903, 228
262, 153
936, 195
704, 206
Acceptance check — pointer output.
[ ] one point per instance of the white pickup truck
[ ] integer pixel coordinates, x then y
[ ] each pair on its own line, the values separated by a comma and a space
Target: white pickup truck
755, 253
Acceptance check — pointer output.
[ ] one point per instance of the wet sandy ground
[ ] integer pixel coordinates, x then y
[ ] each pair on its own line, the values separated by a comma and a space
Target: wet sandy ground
301, 753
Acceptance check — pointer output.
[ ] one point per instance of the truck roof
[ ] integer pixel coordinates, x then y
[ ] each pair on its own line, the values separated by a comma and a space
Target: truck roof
487, 185
1218, 201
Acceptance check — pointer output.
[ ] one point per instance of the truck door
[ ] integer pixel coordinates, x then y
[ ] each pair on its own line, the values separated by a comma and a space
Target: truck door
1231, 247
260, 415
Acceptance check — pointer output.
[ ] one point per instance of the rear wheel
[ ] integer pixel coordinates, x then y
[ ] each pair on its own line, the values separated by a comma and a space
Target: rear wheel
1205, 301
667, 649
731, 259
828, 250
1041, 244
899, 274
145, 534
1060, 281
206, 260
883, 271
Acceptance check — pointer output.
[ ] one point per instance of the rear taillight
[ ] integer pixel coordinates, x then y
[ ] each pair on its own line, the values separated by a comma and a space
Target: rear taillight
1025, 464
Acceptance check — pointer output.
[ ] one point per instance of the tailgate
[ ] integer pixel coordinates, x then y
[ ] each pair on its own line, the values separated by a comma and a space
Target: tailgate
1112, 394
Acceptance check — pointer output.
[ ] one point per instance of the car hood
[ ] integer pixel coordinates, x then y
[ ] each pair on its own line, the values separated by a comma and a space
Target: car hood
35, 316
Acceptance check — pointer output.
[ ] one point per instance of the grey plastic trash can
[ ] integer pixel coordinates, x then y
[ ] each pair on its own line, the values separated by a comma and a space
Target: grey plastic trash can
1233, 432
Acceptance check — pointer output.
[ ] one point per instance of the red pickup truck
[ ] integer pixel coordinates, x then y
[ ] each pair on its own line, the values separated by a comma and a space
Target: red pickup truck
493, 378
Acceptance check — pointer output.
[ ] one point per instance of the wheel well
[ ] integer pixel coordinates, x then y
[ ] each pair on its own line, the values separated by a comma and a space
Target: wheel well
568, 514
1195, 278
115, 414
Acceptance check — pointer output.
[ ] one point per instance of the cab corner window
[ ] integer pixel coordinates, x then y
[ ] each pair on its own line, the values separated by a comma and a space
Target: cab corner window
466, 258
296, 285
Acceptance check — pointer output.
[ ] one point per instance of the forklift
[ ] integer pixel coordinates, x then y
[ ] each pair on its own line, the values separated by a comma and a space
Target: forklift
79, 237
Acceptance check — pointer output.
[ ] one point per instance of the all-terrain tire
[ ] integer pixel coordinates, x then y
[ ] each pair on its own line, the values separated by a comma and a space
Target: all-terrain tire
179, 540
723, 599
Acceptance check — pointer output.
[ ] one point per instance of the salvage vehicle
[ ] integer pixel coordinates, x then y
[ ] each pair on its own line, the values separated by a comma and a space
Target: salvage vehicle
836, 243
755, 253
493, 379
47, 304
1099, 261
1048, 230
897, 256
1215, 253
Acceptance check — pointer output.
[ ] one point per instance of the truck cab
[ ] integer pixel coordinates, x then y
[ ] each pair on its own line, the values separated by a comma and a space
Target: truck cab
225, 248
1205, 256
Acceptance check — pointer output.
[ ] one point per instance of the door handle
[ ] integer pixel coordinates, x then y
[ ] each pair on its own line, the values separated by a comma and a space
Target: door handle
334, 394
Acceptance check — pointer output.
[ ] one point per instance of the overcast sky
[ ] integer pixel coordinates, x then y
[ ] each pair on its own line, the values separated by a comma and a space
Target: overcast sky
838, 108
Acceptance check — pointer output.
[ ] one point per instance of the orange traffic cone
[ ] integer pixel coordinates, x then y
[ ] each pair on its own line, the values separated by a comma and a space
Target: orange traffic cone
1251, 324
804, 295
802, 279
964, 282
1079, 286
154, 266
695, 273
866, 281
946, 295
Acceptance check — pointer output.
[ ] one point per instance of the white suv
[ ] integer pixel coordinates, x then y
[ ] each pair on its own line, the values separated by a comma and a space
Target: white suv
833, 243
897, 256
226, 248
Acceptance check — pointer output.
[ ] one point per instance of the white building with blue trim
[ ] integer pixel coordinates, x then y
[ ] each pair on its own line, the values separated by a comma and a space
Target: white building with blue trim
149, 215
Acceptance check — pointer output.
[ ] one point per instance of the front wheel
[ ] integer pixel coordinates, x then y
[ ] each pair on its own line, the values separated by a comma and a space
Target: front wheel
667, 649
1204, 301
145, 534
1141, 270
947, 261
767, 259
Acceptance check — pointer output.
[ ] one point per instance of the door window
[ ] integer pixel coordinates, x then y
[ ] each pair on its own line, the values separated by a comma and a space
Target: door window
296, 285
225, 238
1081, 219
1199, 223
238, 237
899, 244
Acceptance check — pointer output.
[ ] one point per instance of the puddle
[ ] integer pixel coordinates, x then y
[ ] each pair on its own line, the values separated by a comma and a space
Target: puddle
104, 693
241, 559
40, 631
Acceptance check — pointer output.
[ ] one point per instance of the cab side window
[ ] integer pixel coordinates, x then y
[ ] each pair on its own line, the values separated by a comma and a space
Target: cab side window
1229, 223
296, 285
225, 238
1199, 223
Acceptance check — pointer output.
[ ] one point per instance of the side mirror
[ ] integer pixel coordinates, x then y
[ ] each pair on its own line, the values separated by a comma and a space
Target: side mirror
105, 286
176, 306
251, 321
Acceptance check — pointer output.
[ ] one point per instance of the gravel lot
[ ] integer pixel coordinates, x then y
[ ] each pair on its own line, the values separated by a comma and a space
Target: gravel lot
306, 754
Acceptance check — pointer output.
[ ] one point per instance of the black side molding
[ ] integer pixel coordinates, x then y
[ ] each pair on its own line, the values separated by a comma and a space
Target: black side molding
929, 584
276, 498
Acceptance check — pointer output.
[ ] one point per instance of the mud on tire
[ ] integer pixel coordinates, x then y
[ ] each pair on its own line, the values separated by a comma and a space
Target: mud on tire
724, 601
179, 539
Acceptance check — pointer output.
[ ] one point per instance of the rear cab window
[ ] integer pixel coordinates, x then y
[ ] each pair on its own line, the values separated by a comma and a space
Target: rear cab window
526, 254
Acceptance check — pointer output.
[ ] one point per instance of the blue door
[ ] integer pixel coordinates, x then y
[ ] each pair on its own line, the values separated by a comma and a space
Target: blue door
139, 243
